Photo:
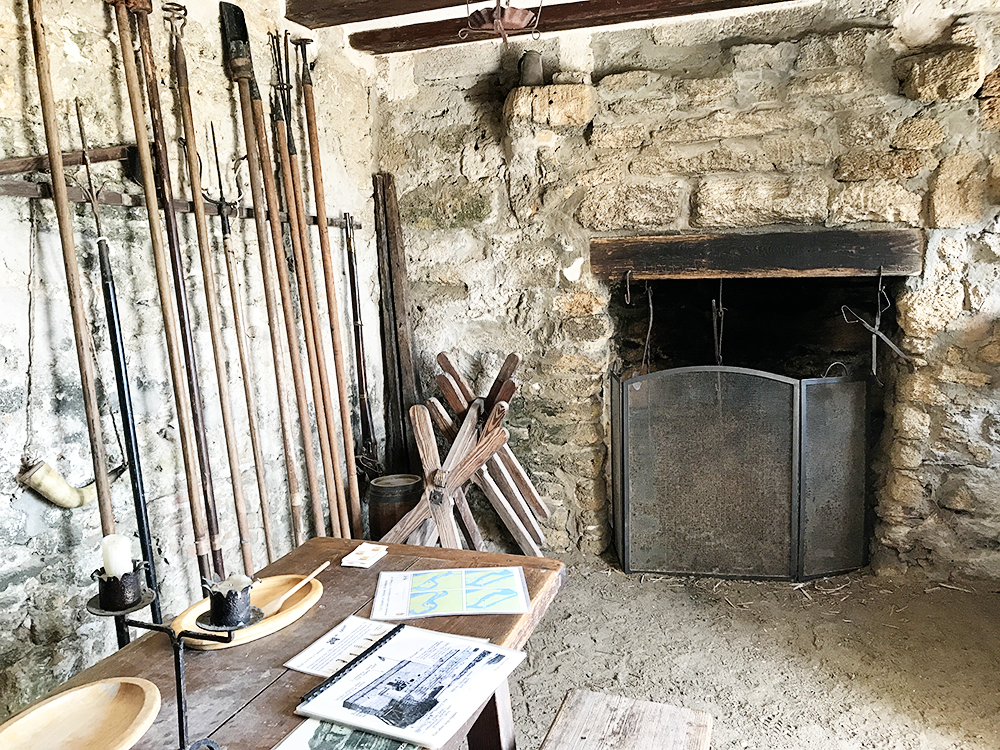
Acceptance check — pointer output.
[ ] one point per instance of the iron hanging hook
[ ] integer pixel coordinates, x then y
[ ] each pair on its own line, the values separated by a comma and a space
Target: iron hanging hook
628, 287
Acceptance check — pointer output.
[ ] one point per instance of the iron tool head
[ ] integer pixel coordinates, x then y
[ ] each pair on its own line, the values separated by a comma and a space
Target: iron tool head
235, 41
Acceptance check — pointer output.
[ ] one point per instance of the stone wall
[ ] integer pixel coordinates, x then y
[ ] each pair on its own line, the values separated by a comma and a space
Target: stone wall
47, 553
765, 120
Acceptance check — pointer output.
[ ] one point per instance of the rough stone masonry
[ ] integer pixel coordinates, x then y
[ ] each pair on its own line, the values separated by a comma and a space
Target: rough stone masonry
688, 129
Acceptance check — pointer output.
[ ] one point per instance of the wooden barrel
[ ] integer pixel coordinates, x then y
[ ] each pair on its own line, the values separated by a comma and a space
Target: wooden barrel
389, 499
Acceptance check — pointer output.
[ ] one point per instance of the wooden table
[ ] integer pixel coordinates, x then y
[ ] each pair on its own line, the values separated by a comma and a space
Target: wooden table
244, 699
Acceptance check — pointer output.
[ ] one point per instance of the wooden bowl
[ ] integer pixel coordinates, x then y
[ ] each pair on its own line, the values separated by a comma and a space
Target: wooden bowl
262, 592
110, 714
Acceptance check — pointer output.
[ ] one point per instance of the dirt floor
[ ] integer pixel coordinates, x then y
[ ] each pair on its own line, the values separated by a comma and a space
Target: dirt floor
845, 663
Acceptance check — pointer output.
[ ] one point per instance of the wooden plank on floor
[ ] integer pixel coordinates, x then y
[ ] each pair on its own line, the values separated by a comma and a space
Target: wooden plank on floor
594, 721
898, 252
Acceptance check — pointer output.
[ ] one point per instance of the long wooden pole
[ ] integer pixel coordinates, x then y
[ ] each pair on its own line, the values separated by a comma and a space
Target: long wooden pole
64, 218
325, 422
331, 470
239, 66
329, 273
211, 294
285, 288
246, 361
142, 10
190, 457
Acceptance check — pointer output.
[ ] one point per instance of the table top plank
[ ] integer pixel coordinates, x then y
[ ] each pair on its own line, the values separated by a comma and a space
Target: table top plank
243, 697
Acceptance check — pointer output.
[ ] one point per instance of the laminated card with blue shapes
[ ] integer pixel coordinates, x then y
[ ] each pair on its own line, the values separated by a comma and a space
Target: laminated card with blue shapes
465, 591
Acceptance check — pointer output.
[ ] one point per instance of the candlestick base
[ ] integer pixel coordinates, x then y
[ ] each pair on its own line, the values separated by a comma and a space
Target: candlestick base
95, 608
204, 621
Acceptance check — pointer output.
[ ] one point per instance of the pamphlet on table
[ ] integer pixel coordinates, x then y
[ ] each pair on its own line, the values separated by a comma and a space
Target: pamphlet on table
462, 591
312, 734
410, 684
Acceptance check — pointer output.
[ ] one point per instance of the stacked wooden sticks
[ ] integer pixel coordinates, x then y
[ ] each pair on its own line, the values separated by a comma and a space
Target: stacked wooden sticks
479, 452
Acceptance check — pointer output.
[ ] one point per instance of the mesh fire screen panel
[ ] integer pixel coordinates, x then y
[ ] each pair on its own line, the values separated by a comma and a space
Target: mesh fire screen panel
832, 491
710, 457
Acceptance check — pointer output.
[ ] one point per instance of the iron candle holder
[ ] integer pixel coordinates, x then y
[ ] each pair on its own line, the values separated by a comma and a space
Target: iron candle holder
121, 592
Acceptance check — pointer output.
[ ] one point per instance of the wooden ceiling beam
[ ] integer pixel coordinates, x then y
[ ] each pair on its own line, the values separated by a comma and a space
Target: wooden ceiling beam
319, 13
813, 253
553, 18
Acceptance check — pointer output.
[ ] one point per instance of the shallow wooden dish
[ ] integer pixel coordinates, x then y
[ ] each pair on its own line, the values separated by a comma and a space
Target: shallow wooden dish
262, 592
110, 714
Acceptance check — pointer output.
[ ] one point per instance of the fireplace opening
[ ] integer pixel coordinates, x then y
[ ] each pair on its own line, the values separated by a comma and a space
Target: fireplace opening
742, 422
788, 326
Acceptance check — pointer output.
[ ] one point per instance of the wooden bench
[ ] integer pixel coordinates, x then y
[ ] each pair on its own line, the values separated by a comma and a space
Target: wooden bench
594, 721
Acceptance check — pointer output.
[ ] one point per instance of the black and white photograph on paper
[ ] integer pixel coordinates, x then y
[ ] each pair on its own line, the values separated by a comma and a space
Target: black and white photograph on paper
413, 685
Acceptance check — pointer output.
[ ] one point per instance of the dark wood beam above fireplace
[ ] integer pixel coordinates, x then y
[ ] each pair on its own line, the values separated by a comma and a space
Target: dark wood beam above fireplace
319, 13
775, 254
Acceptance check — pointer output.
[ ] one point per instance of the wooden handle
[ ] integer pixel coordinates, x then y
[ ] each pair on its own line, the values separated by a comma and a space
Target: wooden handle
423, 431
506, 373
460, 381
452, 394
475, 458
274, 605
466, 437
496, 417
441, 418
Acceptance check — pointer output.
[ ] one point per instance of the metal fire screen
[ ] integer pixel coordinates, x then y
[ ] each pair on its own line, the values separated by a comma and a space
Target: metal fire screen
736, 472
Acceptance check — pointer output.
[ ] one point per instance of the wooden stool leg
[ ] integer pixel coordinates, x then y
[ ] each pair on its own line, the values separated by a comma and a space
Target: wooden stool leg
494, 729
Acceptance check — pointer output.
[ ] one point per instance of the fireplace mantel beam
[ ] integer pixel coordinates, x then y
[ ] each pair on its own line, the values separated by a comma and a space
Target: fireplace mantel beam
770, 255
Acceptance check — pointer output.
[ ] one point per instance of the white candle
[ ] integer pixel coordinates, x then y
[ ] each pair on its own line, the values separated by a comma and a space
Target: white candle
117, 552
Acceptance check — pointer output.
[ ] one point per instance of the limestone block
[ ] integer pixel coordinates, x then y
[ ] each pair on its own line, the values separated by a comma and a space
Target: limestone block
919, 133
912, 423
664, 157
989, 113
587, 328
555, 106
757, 200
694, 93
951, 74
991, 84
761, 56
569, 77
991, 351
792, 152
921, 388
925, 312
649, 107
905, 454
815, 52
964, 376
618, 137
738, 125
958, 191
622, 206
876, 200
869, 130
830, 83
629, 81
905, 492
958, 498
575, 304
445, 205
870, 164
